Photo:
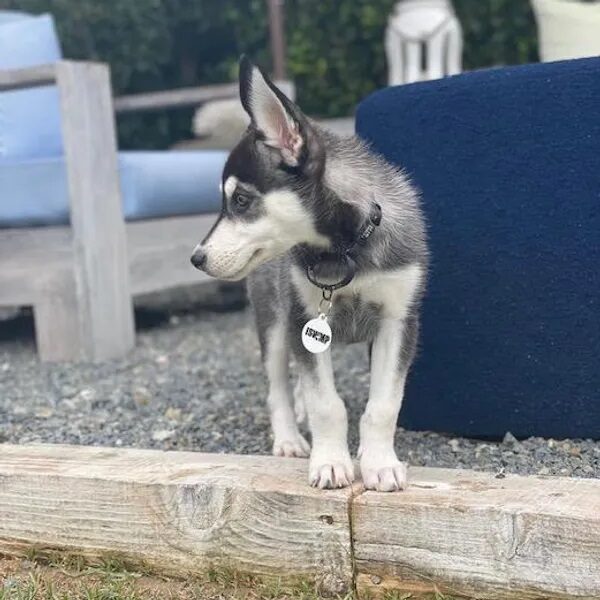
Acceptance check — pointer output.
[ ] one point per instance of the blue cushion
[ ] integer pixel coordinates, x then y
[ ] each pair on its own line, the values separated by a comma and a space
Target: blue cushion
153, 184
508, 163
29, 119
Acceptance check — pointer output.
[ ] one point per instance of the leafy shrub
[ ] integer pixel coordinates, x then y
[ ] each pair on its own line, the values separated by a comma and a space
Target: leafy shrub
335, 47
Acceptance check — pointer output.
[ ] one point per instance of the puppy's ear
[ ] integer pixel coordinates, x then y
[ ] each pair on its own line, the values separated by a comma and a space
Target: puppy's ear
280, 121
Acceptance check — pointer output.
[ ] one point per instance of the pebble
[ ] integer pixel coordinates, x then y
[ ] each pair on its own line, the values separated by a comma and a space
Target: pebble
173, 414
141, 396
455, 445
162, 435
197, 383
44, 413
87, 395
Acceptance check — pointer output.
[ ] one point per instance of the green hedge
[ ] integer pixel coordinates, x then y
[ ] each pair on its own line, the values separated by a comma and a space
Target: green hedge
335, 47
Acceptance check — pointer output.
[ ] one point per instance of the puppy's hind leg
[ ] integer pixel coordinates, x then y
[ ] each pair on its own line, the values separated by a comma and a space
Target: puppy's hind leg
287, 440
299, 402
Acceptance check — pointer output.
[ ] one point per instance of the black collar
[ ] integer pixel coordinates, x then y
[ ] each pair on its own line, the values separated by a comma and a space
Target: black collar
345, 255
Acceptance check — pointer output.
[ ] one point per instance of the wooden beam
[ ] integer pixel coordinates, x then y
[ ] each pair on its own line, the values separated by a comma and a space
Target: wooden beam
460, 533
174, 98
36, 263
159, 252
102, 322
175, 512
183, 97
468, 534
277, 35
16, 79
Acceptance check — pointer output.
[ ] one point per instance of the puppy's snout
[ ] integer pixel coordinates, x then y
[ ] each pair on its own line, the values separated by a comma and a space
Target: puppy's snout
199, 258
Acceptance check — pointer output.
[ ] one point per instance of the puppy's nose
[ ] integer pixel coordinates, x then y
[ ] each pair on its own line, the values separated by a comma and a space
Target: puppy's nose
199, 258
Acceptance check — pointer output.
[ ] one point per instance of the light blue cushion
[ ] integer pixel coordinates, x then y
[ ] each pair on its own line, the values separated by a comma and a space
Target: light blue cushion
153, 184
29, 119
8, 16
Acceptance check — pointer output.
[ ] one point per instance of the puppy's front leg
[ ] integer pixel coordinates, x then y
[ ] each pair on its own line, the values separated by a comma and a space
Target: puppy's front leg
330, 463
381, 470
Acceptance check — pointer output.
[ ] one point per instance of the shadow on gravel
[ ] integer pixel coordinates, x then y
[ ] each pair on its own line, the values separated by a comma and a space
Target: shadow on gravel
151, 311
19, 327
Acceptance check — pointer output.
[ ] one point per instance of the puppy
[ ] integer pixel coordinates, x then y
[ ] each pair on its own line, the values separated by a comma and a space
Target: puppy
332, 240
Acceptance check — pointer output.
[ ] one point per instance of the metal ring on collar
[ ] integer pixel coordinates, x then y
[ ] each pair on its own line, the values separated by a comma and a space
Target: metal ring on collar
327, 311
348, 277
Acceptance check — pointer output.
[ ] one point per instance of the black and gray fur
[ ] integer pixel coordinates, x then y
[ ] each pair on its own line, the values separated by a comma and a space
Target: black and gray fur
333, 182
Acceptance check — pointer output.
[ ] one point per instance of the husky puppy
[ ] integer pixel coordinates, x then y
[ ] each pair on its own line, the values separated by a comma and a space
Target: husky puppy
299, 200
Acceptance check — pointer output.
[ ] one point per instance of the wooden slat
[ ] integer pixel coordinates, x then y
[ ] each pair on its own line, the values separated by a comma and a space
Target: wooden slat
183, 97
104, 312
469, 534
15, 79
33, 262
175, 512
36, 262
159, 252
461, 533
174, 98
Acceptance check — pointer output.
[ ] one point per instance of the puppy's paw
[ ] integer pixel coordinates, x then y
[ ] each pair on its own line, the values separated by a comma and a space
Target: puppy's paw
382, 472
330, 469
291, 445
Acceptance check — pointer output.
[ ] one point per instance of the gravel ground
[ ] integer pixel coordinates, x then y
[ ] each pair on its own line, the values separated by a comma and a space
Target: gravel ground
195, 382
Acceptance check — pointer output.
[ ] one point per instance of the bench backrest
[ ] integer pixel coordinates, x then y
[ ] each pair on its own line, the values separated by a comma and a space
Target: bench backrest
29, 119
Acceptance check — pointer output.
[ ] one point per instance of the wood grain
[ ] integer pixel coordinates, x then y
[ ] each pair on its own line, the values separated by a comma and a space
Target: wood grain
36, 263
104, 315
175, 512
462, 533
159, 252
470, 534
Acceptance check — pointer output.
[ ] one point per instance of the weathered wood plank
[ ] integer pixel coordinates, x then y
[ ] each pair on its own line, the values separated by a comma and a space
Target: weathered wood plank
175, 512
37, 261
15, 79
461, 533
183, 97
470, 534
102, 291
33, 262
159, 252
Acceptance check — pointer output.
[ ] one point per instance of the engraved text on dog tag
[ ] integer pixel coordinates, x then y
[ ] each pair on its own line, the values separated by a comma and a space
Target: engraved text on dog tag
316, 335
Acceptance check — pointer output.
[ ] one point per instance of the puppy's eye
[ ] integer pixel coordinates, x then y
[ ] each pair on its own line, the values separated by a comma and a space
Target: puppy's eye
241, 201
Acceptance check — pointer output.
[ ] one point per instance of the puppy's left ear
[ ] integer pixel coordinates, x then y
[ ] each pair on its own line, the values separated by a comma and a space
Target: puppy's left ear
281, 122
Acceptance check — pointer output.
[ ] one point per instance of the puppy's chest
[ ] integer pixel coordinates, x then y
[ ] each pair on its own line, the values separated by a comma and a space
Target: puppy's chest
358, 308
353, 318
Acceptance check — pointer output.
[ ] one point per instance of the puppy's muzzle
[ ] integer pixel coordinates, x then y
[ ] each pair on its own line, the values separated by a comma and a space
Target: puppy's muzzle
198, 259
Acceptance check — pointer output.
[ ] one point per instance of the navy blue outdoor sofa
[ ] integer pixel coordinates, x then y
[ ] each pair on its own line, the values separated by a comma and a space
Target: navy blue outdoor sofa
508, 161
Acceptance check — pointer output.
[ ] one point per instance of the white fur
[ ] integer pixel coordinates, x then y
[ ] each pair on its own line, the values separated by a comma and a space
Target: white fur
393, 290
287, 440
230, 185
272, 119
330, 463
379, 465
236, 247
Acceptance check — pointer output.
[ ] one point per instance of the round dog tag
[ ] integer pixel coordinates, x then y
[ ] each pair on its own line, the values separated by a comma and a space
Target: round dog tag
316, 335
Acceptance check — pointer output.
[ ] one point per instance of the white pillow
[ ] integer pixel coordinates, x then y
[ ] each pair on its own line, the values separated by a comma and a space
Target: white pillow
567, 28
